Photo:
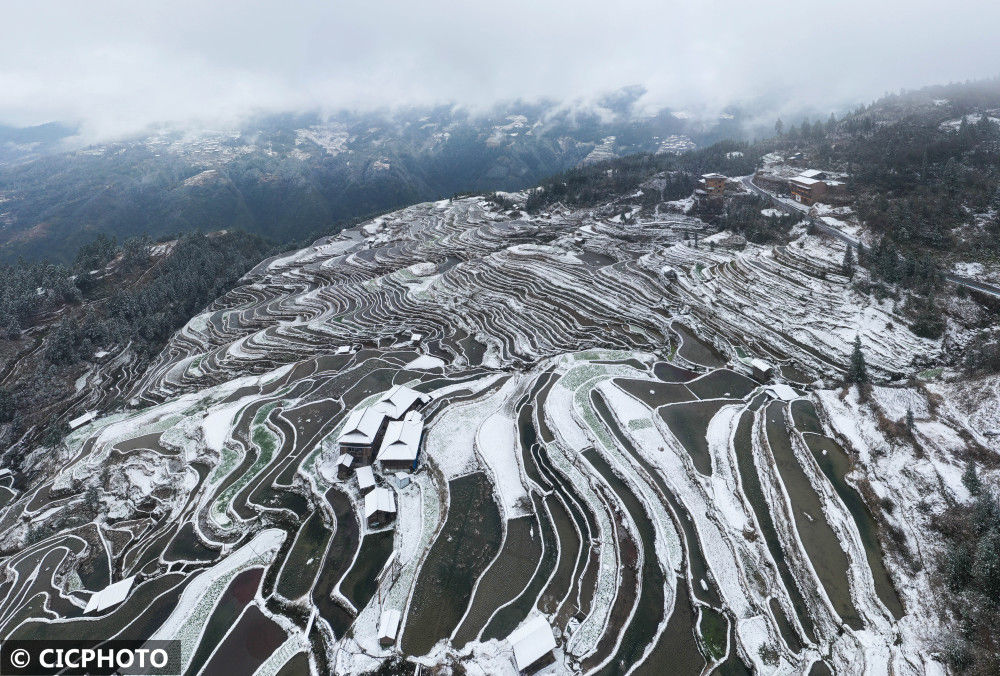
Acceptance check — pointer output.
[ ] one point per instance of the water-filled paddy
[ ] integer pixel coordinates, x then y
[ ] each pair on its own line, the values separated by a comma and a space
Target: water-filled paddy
835, 463
755, 494
360, 583
655, 394
251, 641
506, 619
818, 537
696, 350
468, 541
689, 423
304, 559
506, 577
641, 629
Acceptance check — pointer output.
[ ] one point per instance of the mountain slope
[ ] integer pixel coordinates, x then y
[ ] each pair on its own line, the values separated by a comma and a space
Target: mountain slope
589, 382
290, 178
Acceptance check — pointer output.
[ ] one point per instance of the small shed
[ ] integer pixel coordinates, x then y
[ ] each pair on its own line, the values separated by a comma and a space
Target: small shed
532, 642
782, 392
344, 463
111, 595
416, 337
762, 371
388, 626
380, 507
366, 478
82, 420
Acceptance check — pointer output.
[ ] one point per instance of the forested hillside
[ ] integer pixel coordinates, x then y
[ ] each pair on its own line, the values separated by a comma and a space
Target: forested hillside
117, 305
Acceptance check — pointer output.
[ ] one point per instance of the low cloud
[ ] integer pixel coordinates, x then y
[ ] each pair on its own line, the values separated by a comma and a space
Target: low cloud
117, 67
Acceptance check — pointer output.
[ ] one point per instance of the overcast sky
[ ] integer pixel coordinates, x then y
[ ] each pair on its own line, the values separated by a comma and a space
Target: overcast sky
116, 67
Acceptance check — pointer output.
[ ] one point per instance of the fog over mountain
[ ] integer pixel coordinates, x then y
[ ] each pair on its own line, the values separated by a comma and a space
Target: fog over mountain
116, 67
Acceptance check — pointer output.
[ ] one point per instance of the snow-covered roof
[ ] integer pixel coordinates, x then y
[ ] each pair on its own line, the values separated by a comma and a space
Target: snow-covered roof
759, 363
380, 500
345, 459
362, 426
402, 439
783, 392
398, 401
416, 337
82, 420
713, 175
804, 180
811, 173
366, 478
111, 595
531, 641
343, 349
388, 625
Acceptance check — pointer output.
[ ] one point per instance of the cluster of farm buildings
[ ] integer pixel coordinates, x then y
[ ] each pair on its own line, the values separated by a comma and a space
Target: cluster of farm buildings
805, 186
385, 435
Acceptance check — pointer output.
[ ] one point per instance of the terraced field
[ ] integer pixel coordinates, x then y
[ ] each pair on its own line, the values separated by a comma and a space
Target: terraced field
596, 453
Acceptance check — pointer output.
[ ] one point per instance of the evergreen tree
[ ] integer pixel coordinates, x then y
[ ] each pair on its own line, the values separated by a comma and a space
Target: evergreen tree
970, 478
986, 567
909, 419
8, 406
857, 373
779, 127
848, 265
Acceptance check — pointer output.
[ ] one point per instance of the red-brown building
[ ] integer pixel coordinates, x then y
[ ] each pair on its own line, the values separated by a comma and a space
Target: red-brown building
806, 190
714, 184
